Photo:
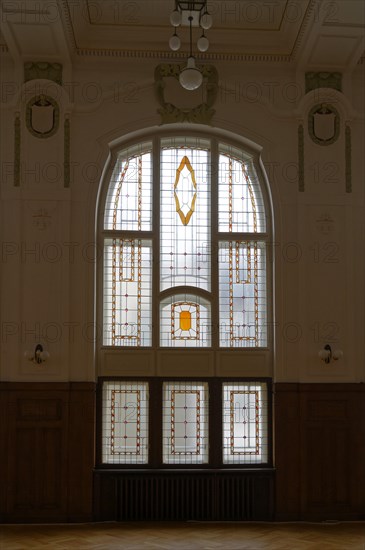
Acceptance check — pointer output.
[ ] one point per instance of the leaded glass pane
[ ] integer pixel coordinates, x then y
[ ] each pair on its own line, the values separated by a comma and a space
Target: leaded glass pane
185, 423
185, 214
185, 321
245, 427
241, 207
129, 201
127, 292
242, 294
125, 423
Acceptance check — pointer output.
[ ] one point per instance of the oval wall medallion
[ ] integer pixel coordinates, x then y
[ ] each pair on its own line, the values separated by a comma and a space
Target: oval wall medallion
42, 116
324, 124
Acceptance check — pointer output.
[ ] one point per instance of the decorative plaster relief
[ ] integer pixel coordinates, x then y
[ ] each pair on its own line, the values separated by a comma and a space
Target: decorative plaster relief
325, 223
323, 80
43, 70
42, 116
301, 158
323, 124
42, 219
201, 114
17, 150
66, 153
348, 170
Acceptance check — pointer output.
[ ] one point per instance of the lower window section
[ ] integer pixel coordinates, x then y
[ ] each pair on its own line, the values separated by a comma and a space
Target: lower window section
125, 423
185, 423
245, 423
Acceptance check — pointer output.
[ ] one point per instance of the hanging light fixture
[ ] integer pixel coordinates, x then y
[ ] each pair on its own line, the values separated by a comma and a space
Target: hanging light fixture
193, 14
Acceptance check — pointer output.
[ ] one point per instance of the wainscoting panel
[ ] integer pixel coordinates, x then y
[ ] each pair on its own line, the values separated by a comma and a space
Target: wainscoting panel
47, 439
181, 496
320, 451
47, 436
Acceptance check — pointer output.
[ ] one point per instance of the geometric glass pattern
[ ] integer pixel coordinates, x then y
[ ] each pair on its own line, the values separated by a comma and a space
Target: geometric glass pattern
185, 214
245, 423
185, 423
127, 292
125, 423
129, 201
242, 294
241, 208
185, 321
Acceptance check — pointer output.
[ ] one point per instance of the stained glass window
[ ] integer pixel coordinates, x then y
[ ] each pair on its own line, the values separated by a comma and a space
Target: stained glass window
125, 422
241, 207
185, 214
185, 321
242, 294
185, 236
129, 200
245, 423
127, 292
185, 423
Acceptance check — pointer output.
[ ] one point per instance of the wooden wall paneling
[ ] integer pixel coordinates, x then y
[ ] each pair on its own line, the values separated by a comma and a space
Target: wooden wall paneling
287, 451
48, 441
333, 454
37, 446
4, 453
22, 471
81, 453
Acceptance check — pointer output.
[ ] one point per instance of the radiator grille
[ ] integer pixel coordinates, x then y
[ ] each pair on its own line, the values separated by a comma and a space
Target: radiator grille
177, 496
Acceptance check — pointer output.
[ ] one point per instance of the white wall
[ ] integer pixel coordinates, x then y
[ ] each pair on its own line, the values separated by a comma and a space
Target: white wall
48, 295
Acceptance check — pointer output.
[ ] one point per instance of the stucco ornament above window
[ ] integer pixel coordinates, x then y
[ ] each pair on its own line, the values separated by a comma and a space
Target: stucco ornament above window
43, 70
170, 113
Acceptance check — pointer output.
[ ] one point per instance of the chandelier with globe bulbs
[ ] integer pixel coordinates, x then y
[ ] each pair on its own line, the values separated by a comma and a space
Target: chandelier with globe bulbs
192, 14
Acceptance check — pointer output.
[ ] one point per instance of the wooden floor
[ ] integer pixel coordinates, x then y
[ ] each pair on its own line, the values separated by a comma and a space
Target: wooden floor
185, 536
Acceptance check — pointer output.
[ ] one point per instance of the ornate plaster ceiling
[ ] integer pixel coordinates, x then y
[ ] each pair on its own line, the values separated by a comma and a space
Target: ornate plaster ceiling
317, 34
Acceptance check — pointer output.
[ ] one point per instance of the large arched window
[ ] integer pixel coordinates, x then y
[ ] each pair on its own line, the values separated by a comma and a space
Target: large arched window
184, 285
185, 236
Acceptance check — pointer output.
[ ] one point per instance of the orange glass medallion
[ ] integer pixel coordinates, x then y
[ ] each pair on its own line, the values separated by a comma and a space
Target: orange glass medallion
185, 320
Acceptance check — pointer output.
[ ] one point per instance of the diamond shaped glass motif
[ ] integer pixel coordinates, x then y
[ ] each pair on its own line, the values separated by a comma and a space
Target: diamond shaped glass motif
185, 196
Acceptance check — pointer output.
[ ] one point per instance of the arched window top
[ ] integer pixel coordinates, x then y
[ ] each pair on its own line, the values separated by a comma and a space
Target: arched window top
128, 204
185, 238
241, 206
129, 199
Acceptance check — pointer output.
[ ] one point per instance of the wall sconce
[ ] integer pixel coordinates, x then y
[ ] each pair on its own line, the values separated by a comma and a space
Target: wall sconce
326, 354
39, 356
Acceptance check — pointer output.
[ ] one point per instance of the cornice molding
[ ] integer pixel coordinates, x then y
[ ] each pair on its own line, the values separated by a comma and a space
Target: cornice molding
173, 56
67, 24
312, 4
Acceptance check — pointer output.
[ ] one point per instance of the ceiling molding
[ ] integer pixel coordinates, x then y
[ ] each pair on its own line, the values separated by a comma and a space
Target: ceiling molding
168, 55
301, 34
67, 23
176, 56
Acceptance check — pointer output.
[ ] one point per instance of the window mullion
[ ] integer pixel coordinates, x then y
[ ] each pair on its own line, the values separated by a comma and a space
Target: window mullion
156, 197
214, 175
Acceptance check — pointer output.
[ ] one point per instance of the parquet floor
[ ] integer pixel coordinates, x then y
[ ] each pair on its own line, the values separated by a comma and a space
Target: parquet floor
185, 536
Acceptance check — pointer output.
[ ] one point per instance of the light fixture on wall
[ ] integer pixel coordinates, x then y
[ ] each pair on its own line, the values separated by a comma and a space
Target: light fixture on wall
192, 14
326, 354
39, 356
